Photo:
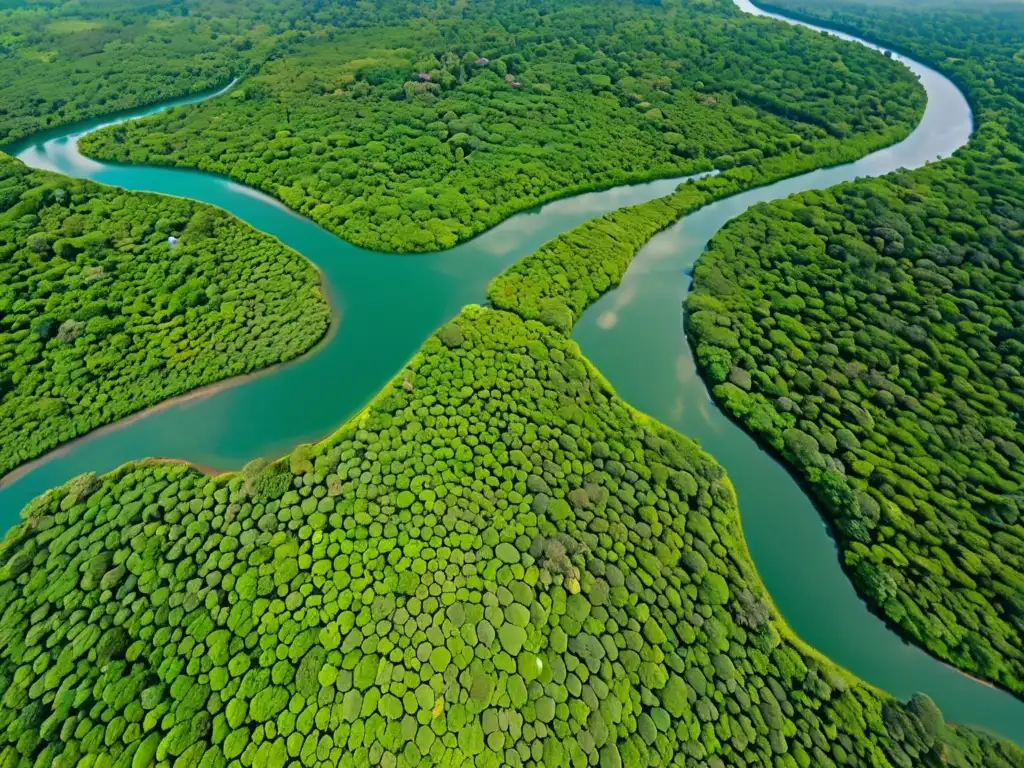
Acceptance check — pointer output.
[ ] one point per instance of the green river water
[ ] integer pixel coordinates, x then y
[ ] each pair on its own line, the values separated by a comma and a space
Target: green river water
387, 304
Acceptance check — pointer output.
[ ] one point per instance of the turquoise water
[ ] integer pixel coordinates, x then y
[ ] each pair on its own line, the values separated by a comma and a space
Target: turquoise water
634, 335
387, 304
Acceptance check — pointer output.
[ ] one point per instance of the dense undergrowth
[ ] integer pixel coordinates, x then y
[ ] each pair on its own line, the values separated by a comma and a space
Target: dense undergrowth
101, 317
872, 334
414, 136
497, 563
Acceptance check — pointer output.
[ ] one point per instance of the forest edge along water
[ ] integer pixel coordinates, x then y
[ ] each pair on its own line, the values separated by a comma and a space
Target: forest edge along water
788, 540
362, 287
268, 413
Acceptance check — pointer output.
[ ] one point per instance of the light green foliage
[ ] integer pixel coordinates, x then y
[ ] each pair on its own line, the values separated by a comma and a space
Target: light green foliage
880, 350
101, 317
574, 586
582, 264
359, 670
396, 138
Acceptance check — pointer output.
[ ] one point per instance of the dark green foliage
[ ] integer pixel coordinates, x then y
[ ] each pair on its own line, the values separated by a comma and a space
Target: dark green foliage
123, 320
451, 335
394, 137
876, 337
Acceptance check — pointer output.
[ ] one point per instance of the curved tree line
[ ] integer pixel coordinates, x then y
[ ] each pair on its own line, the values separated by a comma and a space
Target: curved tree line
85, 352
498, 562
415, 136
62, 61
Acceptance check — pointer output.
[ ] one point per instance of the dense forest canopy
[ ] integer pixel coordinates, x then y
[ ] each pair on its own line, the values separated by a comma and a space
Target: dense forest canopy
55, 388
64, 60
873, 334
417, 135
497, 563
100, 316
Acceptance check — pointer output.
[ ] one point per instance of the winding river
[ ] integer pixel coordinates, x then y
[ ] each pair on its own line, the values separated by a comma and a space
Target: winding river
386, 304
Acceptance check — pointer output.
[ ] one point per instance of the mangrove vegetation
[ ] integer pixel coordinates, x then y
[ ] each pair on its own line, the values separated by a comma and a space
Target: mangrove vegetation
415, 136
497, 563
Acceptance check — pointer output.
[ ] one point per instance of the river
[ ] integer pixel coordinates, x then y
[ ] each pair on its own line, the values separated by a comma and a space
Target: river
386, 304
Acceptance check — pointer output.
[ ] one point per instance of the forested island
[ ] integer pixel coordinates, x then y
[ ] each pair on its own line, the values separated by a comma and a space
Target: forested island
417, 135
727, 119
873, 335
112, 301
147, 344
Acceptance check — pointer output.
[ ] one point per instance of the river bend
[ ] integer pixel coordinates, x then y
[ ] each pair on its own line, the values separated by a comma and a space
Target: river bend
386, 304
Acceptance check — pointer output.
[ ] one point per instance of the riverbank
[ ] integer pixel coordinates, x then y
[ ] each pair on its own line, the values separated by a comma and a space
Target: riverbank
791, 547
61, 153
827, 520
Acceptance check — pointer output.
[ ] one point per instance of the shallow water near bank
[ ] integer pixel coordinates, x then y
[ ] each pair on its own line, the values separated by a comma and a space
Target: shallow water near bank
387, 304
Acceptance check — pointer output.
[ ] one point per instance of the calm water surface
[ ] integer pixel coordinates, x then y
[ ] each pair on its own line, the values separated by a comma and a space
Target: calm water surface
387, 304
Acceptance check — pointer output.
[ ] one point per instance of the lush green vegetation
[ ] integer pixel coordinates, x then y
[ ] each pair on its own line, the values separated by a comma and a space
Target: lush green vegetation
497, 563
100, 316
557, 282
873, 335
417, 135
63, 61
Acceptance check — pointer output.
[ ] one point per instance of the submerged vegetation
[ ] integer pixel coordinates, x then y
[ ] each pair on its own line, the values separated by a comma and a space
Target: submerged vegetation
873, 335
497, 563
414, 136
101, 316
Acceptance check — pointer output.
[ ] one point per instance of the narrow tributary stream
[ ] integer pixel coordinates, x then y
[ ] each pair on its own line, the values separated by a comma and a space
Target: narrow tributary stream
388, 303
